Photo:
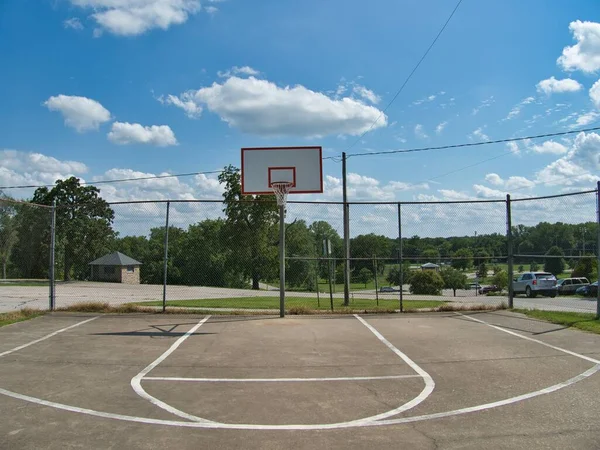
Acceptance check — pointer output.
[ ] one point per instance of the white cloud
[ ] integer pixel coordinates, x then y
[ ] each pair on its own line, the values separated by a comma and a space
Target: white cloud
185, 102
518, 107
134, 17
595, 94
585, 119
134, 133
263, 108
513, 147
479, 135
73, 23
585, 54
577, 166
212, 10
441, 127
553, 86
486, 103
514, 183
419, 132
427, 99
235, 70
366, 94
551, 147
486, 192
364, 188
81, 113
495, 179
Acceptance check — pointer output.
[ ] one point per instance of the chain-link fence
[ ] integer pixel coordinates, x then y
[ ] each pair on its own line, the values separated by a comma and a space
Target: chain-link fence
224, 257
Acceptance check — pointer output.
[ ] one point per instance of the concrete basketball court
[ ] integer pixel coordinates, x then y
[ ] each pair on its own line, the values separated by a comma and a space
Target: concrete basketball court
481, 380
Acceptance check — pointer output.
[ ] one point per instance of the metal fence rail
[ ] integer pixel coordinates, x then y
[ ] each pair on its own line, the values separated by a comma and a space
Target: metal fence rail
224, 257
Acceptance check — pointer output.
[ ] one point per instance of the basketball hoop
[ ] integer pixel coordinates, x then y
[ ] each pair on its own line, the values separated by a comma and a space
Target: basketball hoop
281, 190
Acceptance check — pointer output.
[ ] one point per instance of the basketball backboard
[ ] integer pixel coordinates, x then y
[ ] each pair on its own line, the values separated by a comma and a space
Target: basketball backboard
301, 166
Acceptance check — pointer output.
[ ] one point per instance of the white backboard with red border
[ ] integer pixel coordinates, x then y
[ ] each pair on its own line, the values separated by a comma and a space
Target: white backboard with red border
301, 166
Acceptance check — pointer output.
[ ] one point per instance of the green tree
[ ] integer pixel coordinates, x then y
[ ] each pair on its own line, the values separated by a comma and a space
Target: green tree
500, 279
453, 279
482, 270
367, 245
521, 268
83, 224
555, 265
534, 267
432, 254
393, 275
586, 267
299, 242
365, 275
205, 256
463, 259
8, 230
251, 230
426, 282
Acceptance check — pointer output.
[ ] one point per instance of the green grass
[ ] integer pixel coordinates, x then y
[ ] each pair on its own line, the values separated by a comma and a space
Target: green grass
581, 321
24, 283
18, 316
296, 302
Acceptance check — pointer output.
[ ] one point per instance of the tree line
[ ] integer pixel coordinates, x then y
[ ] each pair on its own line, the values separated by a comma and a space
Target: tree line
241, 249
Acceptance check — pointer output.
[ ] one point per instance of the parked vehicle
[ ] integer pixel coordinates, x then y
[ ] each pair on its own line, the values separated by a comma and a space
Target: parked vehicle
485, 289
534, 283
591, 290
472, 286
388, 289
570, 285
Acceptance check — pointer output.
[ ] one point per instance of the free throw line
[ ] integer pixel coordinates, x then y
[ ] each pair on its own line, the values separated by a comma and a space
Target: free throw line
278, 380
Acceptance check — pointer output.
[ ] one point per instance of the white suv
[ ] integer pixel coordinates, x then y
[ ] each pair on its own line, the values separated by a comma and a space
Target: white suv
533, 283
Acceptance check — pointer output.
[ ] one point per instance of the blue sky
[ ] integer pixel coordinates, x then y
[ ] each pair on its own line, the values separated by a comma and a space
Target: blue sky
107, 89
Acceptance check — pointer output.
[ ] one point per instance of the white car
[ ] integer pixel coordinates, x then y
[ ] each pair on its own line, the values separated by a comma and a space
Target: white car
534, 283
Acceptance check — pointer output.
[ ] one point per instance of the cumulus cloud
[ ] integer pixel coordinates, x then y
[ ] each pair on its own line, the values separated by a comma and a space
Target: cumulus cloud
134, 17
551, 147
595, 94
585, 54
185, 102
513, 147
134, 133
81, 113
553, 86
366, 94
73, 23
494, 178
512, 183
585, 119
263, 108
479, 135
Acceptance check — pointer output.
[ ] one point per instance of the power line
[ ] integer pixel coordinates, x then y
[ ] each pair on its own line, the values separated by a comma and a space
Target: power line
475, 144
408, 77
154, 177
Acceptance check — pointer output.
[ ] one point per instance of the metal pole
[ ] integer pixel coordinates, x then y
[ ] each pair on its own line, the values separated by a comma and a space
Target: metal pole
598, 246
51, 276
400, 268
166, 259
281, 260
317, 282
329, 265
375, 268
509, 250
346, 234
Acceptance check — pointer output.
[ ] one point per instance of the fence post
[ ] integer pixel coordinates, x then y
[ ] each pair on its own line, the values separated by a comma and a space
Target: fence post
346, 234
166, 259
400, 268
509, 250
376, 284
598, 246
282, 260
51, 276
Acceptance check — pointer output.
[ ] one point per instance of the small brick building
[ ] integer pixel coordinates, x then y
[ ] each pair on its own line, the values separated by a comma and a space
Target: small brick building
116, 268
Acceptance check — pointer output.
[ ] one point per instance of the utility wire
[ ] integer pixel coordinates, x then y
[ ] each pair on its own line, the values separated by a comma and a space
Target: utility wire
474, 144
408, 77
154, 177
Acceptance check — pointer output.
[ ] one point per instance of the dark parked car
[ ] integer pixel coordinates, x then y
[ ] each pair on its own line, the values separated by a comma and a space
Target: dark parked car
591, 290
486, 289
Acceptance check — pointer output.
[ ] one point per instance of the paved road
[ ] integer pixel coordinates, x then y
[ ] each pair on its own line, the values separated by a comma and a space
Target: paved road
17, 297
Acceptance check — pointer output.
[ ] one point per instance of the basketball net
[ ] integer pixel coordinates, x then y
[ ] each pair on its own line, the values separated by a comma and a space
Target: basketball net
281, 190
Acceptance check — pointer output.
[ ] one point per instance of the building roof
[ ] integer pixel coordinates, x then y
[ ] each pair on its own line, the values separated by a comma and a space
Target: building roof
115, 259
430, 266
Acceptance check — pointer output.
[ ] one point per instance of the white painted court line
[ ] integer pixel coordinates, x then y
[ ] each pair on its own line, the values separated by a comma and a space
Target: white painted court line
48, 336
139, 390
360, 423
277, 380
527, 338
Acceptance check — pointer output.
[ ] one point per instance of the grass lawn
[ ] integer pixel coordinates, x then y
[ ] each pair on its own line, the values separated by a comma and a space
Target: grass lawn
581, 321
18, 316
24, 283
290, 302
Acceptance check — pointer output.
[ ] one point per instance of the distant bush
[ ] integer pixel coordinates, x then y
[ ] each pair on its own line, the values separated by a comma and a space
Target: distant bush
426, 282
